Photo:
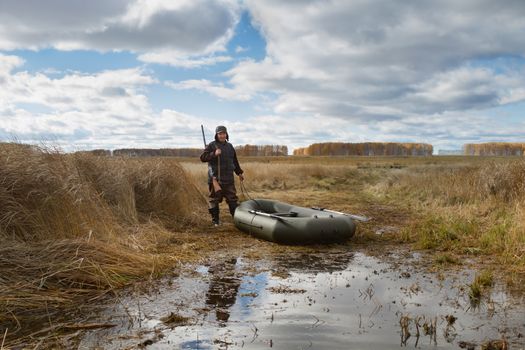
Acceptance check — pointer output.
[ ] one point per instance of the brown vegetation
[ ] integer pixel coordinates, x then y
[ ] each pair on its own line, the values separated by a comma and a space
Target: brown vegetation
494, 149
365, 149
73, 227
472, 208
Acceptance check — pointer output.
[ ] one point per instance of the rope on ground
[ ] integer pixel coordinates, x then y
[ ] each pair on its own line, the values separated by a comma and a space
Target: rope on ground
245, 193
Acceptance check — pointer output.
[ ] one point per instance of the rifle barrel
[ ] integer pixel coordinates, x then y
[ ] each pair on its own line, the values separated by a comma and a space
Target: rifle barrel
203, 136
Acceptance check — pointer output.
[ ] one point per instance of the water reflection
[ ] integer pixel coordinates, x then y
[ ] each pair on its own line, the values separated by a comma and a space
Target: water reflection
224, 286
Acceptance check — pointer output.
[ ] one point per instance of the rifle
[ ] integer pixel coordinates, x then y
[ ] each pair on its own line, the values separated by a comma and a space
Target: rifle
216, 186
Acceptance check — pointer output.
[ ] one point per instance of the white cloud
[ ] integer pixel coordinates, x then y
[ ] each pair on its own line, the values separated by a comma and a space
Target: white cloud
514, 95
371, 61
74, 108
110, 110
109, 91
466, 88
239, 49
443, 131
7, 64
177, 60
154, 28
218, 90
433, 71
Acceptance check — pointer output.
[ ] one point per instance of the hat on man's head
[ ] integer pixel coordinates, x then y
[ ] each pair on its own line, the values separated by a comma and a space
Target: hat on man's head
220, 128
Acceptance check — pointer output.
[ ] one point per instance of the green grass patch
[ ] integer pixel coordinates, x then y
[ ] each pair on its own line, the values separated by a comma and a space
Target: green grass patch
482, 282
434, 233
474, 293
485, 279
441, 233
493, 239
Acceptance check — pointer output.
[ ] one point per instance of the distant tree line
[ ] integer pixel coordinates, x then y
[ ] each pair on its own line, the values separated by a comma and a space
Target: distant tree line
326, 149
158, 152
365, 149
97, 152
494, 149
246, 151
261, 150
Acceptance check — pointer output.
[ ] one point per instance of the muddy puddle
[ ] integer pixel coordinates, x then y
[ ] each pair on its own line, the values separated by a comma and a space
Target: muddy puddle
330, 299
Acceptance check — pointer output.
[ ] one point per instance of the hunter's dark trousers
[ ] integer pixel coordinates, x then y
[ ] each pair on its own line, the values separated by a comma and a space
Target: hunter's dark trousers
228, 192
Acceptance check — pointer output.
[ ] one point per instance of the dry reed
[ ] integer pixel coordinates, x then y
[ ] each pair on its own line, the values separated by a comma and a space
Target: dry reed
74, 227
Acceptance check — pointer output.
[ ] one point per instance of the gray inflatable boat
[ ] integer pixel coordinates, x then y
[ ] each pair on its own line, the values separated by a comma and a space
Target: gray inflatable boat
284, 223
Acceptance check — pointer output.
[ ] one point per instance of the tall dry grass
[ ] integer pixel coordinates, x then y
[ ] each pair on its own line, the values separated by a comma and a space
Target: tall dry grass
475, 208
73, 227
267, 176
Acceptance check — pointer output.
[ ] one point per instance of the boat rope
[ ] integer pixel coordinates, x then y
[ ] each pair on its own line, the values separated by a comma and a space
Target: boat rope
247, 195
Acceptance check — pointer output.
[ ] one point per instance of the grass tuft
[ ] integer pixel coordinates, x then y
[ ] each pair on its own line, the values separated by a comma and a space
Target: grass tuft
445, 259
481, 283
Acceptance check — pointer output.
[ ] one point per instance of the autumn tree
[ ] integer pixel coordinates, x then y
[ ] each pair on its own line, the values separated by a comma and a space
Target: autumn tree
158, 152
365, 149
494, 149
261, 150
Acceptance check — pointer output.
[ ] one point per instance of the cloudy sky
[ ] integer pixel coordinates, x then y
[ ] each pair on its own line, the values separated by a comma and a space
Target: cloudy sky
147, 73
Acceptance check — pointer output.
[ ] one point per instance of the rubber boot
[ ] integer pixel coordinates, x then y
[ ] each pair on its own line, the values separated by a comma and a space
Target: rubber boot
232, 206
214, 216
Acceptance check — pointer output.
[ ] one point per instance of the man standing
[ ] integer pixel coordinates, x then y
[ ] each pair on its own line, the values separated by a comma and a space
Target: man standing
222, 163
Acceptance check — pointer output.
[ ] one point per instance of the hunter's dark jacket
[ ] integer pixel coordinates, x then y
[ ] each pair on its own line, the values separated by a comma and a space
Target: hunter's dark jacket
228, 162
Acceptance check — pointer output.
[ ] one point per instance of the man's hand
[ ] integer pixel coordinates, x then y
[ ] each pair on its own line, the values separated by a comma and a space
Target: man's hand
218, 152
241, 177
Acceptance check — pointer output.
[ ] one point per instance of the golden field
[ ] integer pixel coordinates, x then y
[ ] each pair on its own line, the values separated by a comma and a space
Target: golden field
77, 227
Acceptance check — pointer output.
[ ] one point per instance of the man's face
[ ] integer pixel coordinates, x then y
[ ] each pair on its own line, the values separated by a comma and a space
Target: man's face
221, 136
